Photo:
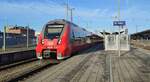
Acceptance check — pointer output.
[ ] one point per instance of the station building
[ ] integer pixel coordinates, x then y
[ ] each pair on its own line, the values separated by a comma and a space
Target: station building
144, 35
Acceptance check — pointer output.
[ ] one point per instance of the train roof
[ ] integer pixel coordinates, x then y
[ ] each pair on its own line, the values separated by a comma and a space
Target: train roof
62, 21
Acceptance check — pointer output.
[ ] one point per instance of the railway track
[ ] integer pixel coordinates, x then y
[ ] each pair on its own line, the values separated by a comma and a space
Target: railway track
4, 67
20, 71
61, 71
14, 72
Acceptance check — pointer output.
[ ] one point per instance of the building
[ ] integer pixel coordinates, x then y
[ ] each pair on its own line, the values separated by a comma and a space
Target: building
17, 35
144, 35
1, 34
20, 30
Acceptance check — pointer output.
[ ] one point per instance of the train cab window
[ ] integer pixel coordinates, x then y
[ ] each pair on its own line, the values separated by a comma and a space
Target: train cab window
53, 31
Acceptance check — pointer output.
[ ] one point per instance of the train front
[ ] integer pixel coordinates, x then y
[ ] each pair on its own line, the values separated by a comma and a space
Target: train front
52, 41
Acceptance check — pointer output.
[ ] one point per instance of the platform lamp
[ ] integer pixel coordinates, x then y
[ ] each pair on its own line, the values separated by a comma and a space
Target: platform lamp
27, 28
4, 38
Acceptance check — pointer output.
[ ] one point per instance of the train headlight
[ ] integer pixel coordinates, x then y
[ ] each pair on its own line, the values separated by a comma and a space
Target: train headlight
59, 42
59, 55
38, 55
42, 42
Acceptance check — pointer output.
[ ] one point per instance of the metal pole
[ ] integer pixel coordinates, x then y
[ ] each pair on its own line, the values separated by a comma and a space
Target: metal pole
67, 7
28, 36
119, 27
110, 68
4, 38
118, 9
119, 43
136, 33
104, 39
71, 13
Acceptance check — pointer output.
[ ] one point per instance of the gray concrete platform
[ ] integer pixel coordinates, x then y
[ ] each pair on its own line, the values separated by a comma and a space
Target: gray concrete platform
10, 57
13, 50
132, 66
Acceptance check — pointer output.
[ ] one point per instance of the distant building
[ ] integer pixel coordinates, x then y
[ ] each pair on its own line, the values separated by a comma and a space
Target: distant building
17, 35
1, 35
143, 35
20, 30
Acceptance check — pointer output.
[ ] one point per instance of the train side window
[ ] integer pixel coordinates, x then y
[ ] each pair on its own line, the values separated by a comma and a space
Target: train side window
72, 35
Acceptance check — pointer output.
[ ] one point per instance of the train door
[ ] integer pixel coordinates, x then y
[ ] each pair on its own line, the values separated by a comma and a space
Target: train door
72, 39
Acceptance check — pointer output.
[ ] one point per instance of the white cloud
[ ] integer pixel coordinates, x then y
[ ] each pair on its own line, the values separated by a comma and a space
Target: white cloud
52, 9
32, 8
37, 12
134, 13
93, 13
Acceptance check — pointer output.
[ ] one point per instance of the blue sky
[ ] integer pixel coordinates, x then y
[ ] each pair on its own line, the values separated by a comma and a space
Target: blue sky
94, 15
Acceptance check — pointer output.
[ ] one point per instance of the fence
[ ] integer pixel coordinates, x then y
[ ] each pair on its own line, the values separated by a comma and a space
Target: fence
17, 43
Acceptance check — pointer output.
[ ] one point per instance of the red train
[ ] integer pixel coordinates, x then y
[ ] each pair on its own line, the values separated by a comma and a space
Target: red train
60, 38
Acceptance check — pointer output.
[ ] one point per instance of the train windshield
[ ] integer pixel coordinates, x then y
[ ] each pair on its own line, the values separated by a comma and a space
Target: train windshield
53, 31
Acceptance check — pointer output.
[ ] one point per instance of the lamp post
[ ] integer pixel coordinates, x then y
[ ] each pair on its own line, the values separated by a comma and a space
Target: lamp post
67, 8
27, 36
4, 38
119, 27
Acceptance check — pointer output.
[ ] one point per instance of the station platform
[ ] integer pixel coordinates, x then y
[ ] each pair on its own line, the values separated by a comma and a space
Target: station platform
99, 66
132, 66
12, 50
14, 55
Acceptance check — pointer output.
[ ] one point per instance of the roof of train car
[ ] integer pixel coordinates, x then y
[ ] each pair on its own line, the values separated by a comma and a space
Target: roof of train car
61, 21
57, 21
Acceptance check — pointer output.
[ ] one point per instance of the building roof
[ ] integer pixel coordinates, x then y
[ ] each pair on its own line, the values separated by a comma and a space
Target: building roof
108, 33
142, 32
19, 27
